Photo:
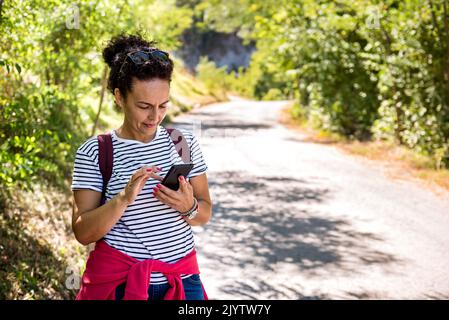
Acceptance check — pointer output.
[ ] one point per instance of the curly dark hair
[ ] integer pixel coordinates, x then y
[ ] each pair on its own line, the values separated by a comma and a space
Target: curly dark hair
114, 54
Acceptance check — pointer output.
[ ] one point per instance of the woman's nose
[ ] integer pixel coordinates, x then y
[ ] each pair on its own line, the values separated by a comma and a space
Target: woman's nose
152, 113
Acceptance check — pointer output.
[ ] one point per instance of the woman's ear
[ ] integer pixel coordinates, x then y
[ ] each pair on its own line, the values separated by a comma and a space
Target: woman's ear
118, 98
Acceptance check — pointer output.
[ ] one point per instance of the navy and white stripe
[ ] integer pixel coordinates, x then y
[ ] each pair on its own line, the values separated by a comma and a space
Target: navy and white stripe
148, 228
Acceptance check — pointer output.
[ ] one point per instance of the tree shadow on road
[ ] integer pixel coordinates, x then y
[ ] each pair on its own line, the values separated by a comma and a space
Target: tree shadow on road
270, 224
437, 296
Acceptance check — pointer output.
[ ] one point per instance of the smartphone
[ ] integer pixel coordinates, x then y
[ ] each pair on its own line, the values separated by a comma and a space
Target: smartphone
171, 178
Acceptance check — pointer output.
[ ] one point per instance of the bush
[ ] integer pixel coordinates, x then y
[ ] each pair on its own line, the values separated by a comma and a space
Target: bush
39, 131
213, 78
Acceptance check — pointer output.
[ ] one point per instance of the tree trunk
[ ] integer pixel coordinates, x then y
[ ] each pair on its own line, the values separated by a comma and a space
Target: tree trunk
446, 30
103, 89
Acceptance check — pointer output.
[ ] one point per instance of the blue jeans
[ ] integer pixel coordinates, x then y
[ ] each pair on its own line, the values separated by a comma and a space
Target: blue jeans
192, 289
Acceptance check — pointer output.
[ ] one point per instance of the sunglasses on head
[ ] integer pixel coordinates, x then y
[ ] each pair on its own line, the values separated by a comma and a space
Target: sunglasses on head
141, 56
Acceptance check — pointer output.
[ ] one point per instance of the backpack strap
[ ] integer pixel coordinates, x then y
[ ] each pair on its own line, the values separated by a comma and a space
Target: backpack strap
105, 160
106, 154
181, 145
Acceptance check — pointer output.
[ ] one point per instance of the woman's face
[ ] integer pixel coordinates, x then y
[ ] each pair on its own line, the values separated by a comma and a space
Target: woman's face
145, 106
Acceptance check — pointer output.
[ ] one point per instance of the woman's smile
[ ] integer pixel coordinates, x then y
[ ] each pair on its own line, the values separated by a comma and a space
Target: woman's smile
149, 125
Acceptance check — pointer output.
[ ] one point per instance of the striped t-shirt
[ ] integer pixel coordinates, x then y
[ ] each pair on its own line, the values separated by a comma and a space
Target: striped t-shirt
148, 229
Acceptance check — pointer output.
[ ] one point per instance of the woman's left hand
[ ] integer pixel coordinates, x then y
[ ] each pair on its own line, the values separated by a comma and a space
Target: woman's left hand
180, 200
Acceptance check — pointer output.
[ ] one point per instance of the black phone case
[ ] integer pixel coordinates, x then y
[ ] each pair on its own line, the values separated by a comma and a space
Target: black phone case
171, 178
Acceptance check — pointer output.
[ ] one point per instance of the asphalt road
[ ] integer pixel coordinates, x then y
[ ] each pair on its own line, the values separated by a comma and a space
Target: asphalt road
299, 220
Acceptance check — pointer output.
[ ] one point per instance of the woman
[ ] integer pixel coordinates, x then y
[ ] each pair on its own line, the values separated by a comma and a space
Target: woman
144, 243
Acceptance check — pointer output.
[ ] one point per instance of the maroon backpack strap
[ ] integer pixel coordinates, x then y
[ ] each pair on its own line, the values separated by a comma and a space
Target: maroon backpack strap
181, 145
105, 158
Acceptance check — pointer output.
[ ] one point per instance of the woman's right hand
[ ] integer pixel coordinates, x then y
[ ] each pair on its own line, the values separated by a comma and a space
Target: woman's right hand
137, 182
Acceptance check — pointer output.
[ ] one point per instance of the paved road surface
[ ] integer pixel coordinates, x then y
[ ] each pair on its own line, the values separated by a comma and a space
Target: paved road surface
299, 220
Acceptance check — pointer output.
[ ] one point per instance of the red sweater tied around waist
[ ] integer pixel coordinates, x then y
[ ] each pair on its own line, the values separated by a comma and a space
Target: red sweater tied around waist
107, 267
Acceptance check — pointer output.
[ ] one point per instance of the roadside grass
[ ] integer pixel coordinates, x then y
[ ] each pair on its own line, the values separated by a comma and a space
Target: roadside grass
188, 89
402, 163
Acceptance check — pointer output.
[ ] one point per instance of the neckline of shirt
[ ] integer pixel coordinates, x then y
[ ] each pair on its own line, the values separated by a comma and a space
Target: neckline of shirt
116, 137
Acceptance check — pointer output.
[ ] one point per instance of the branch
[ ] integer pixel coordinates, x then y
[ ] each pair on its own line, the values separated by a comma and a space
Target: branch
446, 24
446, 30
1, 7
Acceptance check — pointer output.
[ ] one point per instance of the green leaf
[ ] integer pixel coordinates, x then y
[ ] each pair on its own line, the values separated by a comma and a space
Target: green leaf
18, 68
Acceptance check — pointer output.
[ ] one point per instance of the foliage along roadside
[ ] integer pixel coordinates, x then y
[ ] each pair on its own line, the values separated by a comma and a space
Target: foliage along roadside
364, 69
50, 72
